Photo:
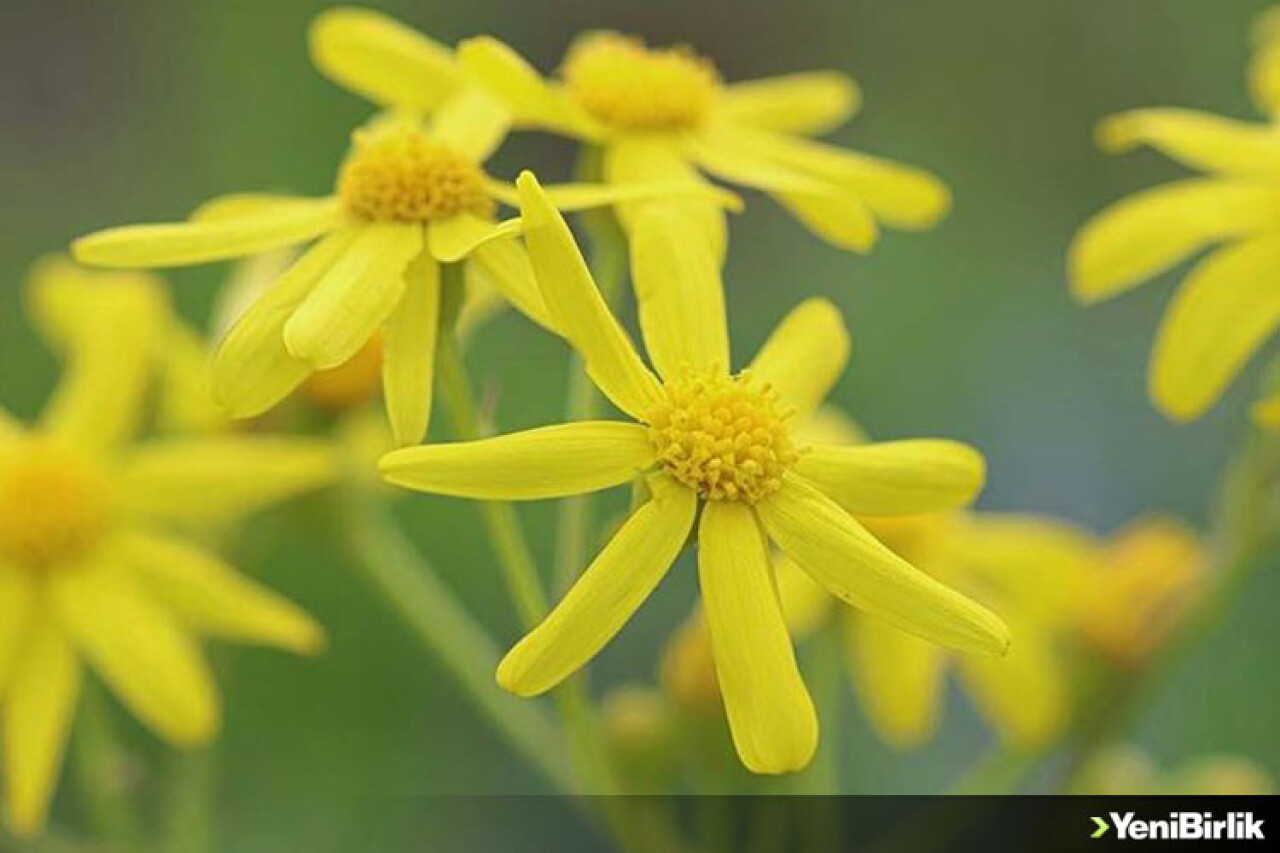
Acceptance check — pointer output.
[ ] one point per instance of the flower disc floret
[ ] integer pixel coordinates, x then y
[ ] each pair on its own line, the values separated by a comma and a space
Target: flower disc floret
628, 85
53, 506
397, 173
725, 437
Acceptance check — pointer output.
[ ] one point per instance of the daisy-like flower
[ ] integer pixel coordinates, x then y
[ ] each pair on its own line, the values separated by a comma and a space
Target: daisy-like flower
411, 200
703, 438
93, 571
1227, 306
664, 113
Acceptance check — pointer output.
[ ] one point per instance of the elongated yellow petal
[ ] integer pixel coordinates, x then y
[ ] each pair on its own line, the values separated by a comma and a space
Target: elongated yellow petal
186, 403
10, 428
38, 709
1219, 318
1198, 140
149, 661
532, 100
409, 352
805, 604
354, 296
381, 59
1026, 693
236, 205
643, 161
100, 398
899, 679
903, 196
1148, 232
452, 239
896, 477
811, 102
577, 308
805, 355
252, 368
504, 265
549, 462
727, 155
771, 717
63, 299
826, 542
207, 479
472, 123
205, 240
840, 218
584, 196
212, 598
606, 595
679, 295
830, 425
17, 608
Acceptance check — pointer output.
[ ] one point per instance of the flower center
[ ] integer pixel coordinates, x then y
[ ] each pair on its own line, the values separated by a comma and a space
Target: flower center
725, 437
395, 172
625, 84
53, 505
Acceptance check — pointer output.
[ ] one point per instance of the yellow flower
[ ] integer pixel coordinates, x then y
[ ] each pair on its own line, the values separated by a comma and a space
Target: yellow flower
1227, 306
664, 113
704, 436
1148, 575
92, 571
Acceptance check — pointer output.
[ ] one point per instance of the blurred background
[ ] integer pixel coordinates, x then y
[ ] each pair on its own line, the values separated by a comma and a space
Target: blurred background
137, 110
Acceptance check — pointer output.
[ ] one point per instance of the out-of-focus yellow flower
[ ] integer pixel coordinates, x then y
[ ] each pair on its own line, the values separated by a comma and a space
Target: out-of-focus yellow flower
1125, 770
1226, 307
705, 436
664, 113
1134, 597
411, 201
91, 569
65, 302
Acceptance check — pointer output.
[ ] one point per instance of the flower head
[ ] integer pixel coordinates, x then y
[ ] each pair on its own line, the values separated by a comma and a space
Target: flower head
664, 113
1226, 308
704, 436
94, 570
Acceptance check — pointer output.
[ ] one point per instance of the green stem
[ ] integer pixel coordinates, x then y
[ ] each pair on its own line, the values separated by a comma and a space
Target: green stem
187, 795
409, 585
102, 768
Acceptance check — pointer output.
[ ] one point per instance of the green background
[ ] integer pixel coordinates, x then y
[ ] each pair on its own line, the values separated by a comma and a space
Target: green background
133, 111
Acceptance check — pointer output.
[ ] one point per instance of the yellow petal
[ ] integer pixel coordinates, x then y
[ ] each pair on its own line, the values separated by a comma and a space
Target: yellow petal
218, 239
826, 542
381, 59
830, 425
17, 607
903, 196
64, 299
679, 295
1199, 140
896, 477
813, 102
1025, 693
504, 266
549, 462
832, 211
1219, 318
472, 123
805, 355
252, 368
605, 596
533, 101
354, 296
452, 239
207, 479
100, 398
10, 428
644, 161
584, 196
37, 712
771, 717
805, 604
1148, 232
148, 660
576, 307
899, 680
212, 598
236, 205
409, 352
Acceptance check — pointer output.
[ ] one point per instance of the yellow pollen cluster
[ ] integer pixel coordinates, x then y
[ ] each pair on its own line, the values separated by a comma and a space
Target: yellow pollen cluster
723, 436
52, 507
625, 84
396, 173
